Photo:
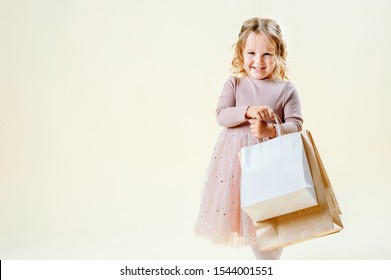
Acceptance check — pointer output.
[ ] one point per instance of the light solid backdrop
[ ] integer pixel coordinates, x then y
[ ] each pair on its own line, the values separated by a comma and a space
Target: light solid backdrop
107, 122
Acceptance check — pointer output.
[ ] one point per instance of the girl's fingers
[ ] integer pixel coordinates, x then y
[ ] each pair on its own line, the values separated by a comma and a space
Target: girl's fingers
270, 111
265, 113
254, 121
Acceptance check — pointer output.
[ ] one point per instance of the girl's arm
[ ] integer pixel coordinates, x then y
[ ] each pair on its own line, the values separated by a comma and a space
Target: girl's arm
227, 114
291, 116
293, 121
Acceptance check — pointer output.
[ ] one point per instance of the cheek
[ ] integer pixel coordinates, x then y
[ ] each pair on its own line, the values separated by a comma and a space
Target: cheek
248, 58
246, 64
245, 60
273, 63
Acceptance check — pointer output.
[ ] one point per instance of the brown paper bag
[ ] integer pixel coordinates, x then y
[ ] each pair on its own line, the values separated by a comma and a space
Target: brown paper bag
320, 220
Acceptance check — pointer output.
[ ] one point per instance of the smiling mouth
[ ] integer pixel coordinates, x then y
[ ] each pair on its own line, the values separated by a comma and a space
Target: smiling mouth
258, 69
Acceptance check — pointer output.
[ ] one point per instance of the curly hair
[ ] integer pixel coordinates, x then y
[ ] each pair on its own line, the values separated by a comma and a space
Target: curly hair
271, 29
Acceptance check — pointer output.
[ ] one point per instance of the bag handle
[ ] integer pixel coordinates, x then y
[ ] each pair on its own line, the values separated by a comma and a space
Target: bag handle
279, 125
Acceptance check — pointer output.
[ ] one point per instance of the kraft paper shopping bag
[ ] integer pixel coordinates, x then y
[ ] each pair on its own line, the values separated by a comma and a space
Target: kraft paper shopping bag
320, 220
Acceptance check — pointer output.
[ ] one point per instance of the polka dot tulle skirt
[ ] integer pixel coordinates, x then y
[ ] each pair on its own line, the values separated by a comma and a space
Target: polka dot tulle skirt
221, 218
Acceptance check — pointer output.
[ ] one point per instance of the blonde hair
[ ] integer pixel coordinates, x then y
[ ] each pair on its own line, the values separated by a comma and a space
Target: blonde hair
271, 29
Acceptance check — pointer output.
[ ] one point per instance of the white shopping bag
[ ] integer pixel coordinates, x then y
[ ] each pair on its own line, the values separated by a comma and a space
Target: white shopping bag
276, 178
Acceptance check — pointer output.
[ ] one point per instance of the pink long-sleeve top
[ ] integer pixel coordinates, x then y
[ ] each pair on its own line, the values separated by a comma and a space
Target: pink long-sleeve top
240, 93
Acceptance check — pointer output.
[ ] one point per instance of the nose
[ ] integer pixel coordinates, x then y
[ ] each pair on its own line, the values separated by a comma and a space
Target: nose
259, 59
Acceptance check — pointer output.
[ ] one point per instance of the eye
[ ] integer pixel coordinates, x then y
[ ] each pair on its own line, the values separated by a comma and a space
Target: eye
268, 55
251, 53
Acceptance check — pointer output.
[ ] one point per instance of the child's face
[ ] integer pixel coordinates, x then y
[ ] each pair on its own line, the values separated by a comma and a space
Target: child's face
259, 56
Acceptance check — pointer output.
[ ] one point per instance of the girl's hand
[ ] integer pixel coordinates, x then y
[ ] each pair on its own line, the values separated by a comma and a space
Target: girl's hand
261, 113
261, 129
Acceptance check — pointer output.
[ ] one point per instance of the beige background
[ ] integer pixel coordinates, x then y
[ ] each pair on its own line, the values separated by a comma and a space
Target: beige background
107, 122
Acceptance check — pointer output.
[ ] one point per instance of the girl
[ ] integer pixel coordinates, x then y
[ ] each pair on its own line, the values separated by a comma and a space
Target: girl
245, 109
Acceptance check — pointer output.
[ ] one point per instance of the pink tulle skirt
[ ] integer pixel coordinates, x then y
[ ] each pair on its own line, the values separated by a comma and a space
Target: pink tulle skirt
221, 218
